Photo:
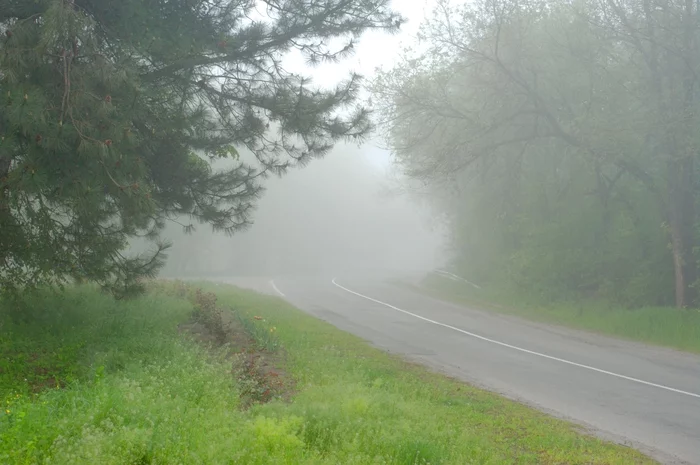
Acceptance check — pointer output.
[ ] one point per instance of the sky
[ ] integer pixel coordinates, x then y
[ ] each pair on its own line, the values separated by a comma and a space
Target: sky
374, 50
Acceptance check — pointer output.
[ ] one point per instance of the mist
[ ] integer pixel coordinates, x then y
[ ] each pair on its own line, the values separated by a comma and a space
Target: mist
343, 213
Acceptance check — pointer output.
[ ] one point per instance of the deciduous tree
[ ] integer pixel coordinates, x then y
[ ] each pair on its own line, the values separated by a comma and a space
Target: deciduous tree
573, 126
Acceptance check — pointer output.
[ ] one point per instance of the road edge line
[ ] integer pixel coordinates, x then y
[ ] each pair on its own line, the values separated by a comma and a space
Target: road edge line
520, 349
272, 283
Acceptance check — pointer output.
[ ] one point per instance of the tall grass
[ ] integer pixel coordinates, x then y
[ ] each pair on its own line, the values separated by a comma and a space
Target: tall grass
663, 326
134, 391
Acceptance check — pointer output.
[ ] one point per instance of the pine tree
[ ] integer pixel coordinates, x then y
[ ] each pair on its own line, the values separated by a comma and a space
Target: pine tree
112, 112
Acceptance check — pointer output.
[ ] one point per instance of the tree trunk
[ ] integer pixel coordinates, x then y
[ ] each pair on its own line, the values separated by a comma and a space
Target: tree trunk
682, 169
682, 224
677, 245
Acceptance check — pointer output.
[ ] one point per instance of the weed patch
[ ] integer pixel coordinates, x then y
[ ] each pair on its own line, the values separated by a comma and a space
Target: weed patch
251, 348
208, 314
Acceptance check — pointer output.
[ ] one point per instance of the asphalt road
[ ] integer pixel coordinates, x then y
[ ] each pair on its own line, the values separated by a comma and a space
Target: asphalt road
642, 396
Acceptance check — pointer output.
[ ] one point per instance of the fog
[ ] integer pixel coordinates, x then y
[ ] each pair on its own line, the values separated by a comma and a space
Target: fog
344, 213
340, 214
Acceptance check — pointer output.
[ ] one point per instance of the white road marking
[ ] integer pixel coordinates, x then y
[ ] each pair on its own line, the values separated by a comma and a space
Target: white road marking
454, 277
275, 288
520, 349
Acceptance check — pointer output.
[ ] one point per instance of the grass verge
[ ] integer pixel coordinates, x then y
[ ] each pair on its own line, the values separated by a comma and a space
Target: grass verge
663, 326
85, 379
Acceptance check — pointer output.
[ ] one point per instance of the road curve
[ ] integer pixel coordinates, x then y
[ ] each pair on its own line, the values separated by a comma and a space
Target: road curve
642, 396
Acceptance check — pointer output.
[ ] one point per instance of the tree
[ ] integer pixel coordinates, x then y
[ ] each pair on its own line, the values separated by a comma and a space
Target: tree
112, 113
585, 146
664, 35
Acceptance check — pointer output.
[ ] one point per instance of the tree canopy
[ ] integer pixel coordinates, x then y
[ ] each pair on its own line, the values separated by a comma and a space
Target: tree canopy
569, 132
111, 114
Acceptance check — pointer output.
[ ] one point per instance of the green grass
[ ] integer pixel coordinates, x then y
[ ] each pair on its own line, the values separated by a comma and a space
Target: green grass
136, 392
670, 327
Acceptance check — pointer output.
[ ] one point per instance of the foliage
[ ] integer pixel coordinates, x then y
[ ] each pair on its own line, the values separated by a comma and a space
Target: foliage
145, 395
260, 329
211, 316
113, 112
256, 384
561, 139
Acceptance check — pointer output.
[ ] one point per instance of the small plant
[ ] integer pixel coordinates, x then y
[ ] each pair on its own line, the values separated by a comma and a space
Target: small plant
257, 383
260, 330
9, 410
207, 313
